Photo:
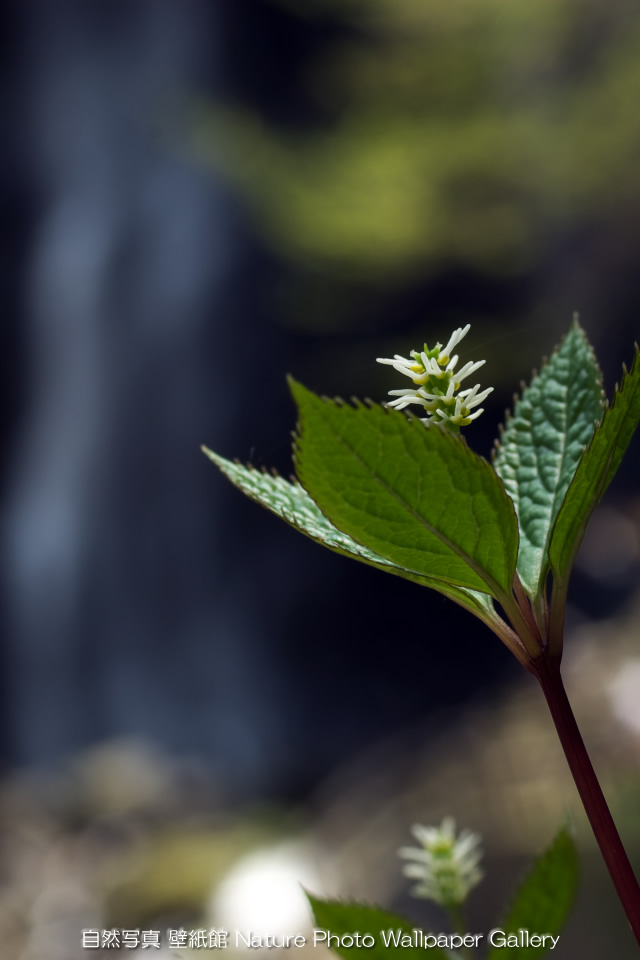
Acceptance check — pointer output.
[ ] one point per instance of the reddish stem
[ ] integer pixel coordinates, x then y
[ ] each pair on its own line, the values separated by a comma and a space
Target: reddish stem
590, 792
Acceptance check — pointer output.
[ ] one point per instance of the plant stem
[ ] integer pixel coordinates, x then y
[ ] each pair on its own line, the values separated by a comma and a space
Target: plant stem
459, 926
590, 792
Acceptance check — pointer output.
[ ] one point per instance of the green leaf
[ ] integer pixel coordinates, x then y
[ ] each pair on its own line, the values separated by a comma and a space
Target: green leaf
595, 472
341, 918
544, 900
542, 444
415, 495
292, 503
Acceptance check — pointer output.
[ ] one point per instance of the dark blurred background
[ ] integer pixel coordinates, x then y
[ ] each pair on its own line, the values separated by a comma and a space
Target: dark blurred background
201, 197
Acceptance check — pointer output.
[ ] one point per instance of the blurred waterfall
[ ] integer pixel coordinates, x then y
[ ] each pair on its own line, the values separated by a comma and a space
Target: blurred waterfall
120, 617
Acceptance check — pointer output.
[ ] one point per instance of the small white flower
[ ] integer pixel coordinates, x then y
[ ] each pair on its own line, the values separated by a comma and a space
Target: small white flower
468, 369
455, 338
472, 398
446, 868
437, 382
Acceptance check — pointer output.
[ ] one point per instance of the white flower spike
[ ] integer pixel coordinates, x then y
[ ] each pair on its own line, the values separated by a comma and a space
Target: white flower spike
438, 382
446, 868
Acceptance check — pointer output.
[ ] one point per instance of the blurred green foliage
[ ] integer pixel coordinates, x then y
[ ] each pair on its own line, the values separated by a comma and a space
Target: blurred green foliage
457, 132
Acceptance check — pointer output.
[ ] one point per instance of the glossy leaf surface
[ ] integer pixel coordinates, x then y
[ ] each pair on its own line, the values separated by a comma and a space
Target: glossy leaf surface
416, 495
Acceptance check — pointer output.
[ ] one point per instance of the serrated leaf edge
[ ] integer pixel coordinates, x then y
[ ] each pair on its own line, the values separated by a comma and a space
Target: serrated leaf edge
493, 589
564, 830
468, 599
524, 384
609, 407
497, 446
